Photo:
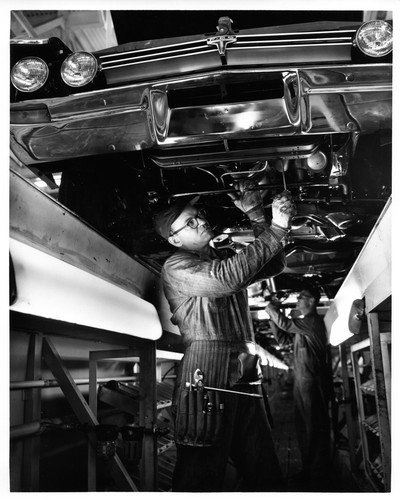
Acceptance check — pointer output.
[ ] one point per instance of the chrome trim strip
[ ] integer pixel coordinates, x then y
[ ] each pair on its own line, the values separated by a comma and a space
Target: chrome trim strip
329, 41
121, 110
106, 63
302, 45
133, 63
346, 90
297, 33
154, 49
25, 41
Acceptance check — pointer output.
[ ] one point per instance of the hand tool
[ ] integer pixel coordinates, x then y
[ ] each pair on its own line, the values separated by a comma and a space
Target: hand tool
198, 382
284, 180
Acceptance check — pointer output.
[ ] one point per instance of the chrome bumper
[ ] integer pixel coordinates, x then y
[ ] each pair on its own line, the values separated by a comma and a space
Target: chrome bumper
304, 101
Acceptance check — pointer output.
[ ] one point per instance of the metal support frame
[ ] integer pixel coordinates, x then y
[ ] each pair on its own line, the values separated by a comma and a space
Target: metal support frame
357, 381
82, 409
49, 383
147, 416
380, 375
32, 411
348, 412
147, 408
380, 396
387, 375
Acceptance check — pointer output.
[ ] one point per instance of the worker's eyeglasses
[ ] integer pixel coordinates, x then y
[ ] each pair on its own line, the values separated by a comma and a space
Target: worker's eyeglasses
193, 222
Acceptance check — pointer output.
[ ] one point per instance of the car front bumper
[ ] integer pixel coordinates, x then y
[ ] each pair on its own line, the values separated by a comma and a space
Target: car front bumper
223, 105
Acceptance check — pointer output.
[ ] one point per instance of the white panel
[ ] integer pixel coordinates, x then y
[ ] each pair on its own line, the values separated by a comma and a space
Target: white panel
50, 288
177, 356
370, 277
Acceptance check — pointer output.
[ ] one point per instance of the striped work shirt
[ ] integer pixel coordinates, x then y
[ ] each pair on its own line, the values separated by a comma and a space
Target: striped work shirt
207, 295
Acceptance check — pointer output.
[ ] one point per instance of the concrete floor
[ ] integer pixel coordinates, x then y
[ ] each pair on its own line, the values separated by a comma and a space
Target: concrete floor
340, 480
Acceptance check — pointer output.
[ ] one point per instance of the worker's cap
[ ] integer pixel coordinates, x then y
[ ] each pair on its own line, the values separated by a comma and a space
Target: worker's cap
164, 219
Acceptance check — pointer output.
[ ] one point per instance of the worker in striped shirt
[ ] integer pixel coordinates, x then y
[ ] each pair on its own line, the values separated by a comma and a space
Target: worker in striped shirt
207, 292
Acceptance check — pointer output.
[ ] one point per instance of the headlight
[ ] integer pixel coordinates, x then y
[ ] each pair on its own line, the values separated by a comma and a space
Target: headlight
375, 38
79, 69
29, 74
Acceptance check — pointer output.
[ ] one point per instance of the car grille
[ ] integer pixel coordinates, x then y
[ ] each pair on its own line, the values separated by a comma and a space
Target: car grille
247, 49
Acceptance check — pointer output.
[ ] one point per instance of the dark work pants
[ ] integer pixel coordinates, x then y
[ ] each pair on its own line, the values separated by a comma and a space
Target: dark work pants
312, 427
247, 441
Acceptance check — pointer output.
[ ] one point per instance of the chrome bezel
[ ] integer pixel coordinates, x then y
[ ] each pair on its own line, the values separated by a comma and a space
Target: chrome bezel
25, 59
361, 28
86, 82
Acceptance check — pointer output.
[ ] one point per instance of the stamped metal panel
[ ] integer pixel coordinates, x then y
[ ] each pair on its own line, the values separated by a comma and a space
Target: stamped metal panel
53, 250
82, 125
50, 288
346, 98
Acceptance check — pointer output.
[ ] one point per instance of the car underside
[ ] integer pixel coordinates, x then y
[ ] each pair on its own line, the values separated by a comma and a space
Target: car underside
167, 119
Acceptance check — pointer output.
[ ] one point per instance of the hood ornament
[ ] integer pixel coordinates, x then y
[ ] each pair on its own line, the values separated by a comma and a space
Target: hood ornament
224, 36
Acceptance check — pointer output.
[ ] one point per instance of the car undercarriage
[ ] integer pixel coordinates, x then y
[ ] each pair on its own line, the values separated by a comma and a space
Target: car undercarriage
172, 118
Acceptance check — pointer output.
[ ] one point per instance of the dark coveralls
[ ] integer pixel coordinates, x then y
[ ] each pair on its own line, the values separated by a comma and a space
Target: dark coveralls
208, 300
311, 389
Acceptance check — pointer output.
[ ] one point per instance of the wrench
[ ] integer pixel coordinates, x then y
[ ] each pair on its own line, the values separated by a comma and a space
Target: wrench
198, 382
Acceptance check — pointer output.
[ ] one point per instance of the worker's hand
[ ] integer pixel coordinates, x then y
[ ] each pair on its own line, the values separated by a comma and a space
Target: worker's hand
271, 306
275, 297
249, 196
283, 209
272, 310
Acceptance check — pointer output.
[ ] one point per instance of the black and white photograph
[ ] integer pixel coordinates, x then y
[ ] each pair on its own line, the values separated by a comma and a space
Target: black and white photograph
199, 239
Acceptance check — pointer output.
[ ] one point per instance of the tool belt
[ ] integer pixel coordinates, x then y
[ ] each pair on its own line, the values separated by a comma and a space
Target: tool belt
199, 417
200, 410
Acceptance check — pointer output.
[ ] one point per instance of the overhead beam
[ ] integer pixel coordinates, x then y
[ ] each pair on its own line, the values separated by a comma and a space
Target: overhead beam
23, 21
49, 26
